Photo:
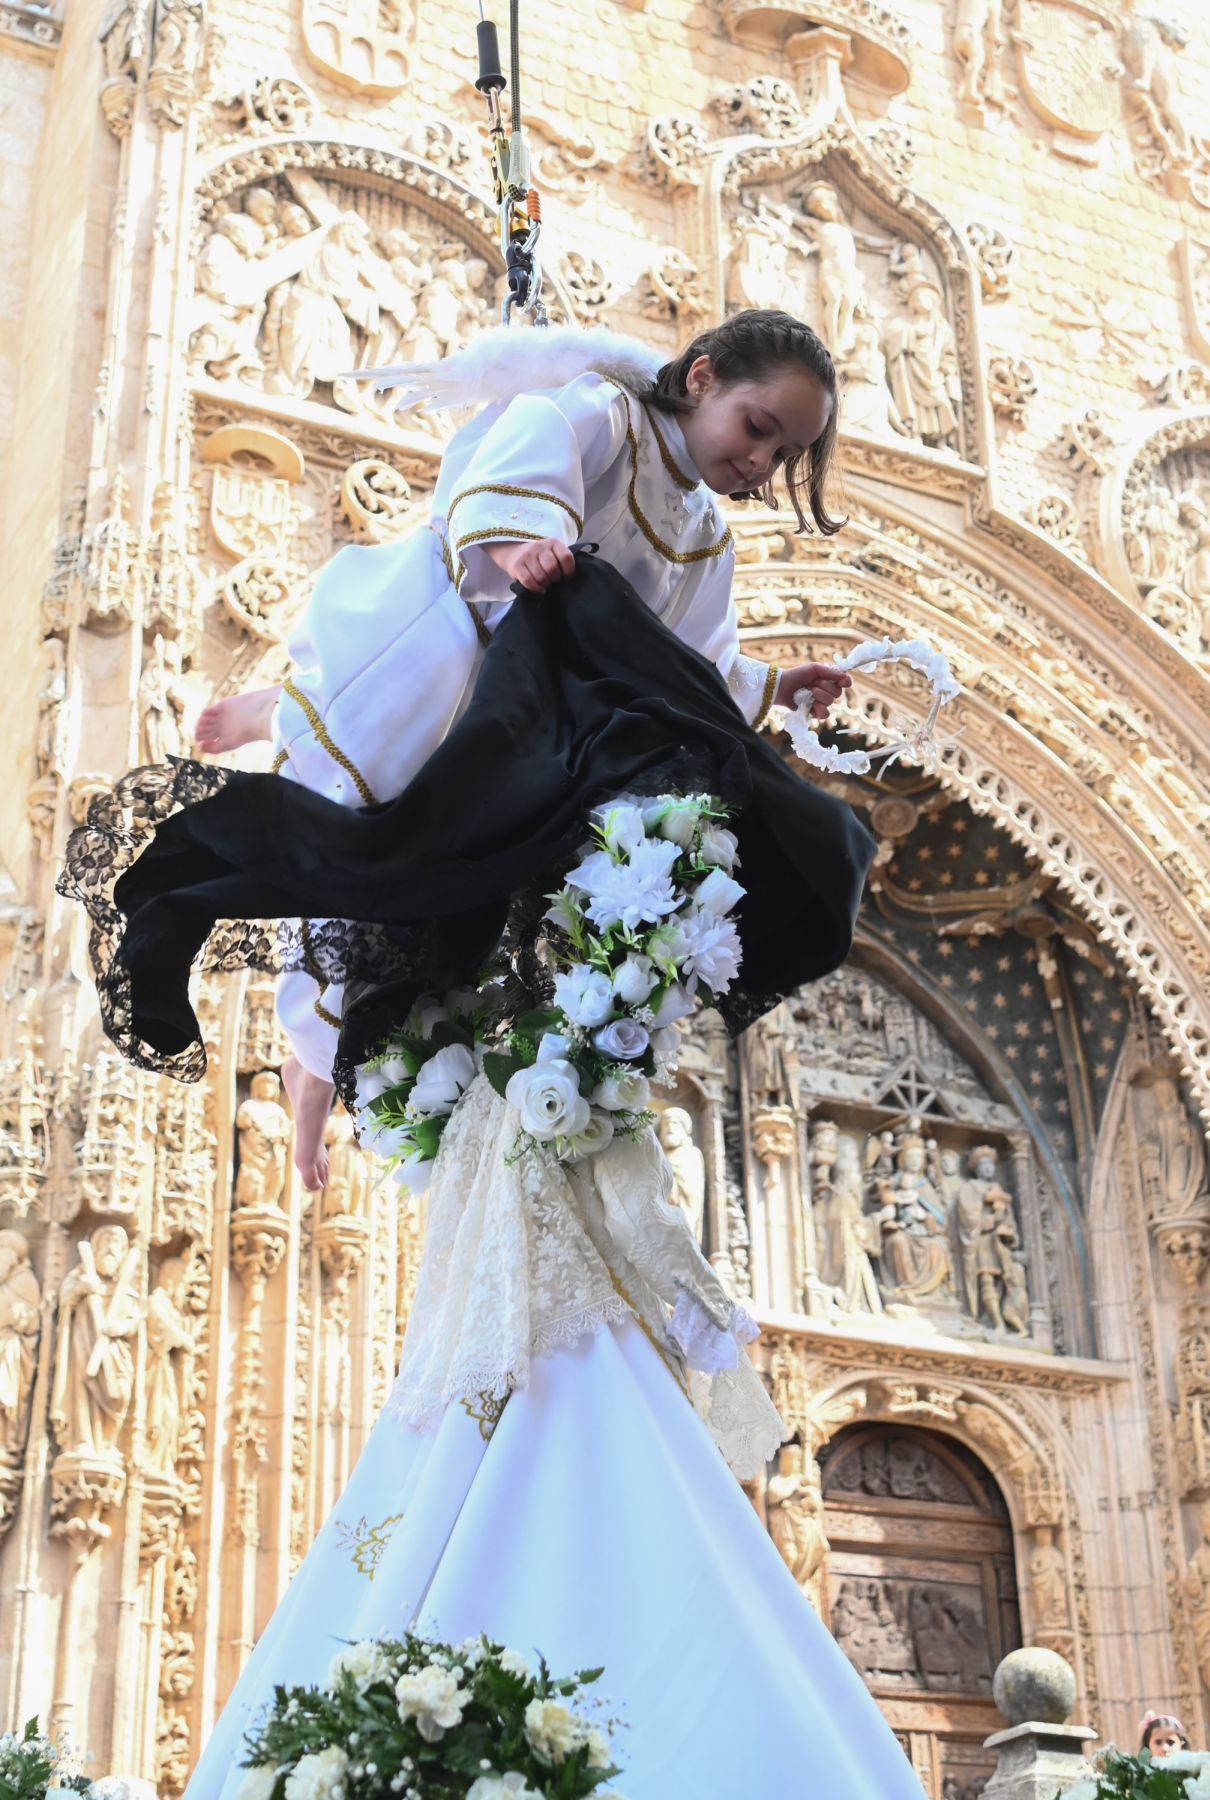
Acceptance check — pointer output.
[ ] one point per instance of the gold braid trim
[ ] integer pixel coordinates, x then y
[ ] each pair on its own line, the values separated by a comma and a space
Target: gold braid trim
767, 697
644, 524
455, 575
502, 533
518, 493
279, 762
666, 457
338, 756
313, 969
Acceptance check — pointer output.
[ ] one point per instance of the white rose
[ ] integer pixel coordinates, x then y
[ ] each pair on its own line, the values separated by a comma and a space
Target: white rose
434, 1698
318, 1777
443, 1080
634, 979
624, 1038
584, 994
430, 1015
553, 1047
415, 1172
627, 1091
674, 1004
719, 847
512, 1786
370, 1084
365, 1662
513, 1663
549, 1100
393, 1070
676, 820
622, 827
553, 1730
718, 893
258, 1783
595, 1135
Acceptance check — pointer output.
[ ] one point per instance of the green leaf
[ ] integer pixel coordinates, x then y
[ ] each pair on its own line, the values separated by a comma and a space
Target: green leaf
500, 1069
450, 1031
427, 1135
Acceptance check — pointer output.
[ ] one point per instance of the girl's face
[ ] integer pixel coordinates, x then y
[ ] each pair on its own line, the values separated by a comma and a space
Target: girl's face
740, 432
1164, 1741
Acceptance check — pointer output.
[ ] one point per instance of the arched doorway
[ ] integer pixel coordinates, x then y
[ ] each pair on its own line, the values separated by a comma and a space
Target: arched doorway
921, 1591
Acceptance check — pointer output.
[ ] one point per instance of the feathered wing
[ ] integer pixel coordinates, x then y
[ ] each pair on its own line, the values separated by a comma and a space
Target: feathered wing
503, 363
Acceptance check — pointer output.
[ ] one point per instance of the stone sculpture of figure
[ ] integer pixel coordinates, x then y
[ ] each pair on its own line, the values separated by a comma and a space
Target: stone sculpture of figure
967, 1218
1048, 1583
765, 1054
922, 365
688, 1166
168, 1336
841, 283
978, 42
1149, 48
1157, 547
264, 1135
48, 748
1173, 1155
347, 1191
911, 1220
992, 1275
866, 403
854, 1620
767, 241
20, 1297
796, 1514
260, 204
99, 1310
330, 294
1197, 1589
399, 278
449, 303
846, 1236
162, 701
230, 300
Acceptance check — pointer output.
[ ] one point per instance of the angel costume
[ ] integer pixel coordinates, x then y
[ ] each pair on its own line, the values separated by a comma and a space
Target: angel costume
386, 657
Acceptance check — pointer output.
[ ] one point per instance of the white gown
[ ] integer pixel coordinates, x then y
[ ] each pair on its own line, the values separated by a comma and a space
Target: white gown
385, 657
540, 1474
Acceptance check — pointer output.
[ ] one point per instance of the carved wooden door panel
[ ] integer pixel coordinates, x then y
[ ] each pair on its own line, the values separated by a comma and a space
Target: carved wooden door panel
921, 1592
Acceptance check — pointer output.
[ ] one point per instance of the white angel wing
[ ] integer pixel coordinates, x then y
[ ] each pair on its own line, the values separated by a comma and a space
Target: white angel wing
503, 363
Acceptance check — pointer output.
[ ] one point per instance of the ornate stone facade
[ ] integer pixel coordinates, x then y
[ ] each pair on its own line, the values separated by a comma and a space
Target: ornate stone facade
964, 1182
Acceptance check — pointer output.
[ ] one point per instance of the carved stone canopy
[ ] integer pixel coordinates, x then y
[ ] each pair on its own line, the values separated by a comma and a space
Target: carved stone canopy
881, 41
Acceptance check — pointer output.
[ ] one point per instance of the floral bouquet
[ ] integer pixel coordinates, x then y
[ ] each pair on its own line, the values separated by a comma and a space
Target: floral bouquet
1185, 1775
34, 1767
429, 1721
639, 935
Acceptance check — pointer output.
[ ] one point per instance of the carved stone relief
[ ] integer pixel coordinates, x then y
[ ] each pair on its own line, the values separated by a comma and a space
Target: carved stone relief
1155, 516
362, 45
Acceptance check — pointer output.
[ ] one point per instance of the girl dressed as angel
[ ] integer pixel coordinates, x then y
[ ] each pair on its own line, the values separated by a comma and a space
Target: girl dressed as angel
581, 435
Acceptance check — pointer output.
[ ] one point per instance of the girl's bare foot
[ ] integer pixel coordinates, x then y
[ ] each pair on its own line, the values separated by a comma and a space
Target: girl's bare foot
311, 1102
240, 719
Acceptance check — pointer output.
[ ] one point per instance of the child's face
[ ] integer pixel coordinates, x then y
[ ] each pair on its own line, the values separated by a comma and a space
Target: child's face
739, 433
1163, 1741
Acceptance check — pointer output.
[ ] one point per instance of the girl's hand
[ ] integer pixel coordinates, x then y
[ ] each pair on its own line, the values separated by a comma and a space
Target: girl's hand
536, 566
825, 682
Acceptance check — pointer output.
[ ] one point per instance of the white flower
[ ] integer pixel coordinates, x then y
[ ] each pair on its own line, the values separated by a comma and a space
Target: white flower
549, 1100
707, 949
599, 1754
674, 1004
632, 893
584, 994
1197, 1787
625, 1091
595, 1135
318, 1777
623, 1038
433, 1698
443, 1079
414, 1172
553, 1047
718, 893
512, 1786
674, 819
370, 1083
718, 847
384, 1139
365, 1662
634, 979
553, 1730
513, 1663
564, 911
393, 1070
622, 827
258, 1782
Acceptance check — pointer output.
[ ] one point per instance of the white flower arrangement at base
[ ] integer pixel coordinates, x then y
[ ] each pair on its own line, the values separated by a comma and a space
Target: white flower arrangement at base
914, 739
412, 1717
640, 935
1185, 1775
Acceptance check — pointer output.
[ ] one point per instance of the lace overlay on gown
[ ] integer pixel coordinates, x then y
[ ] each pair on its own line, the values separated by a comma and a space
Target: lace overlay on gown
526, 1257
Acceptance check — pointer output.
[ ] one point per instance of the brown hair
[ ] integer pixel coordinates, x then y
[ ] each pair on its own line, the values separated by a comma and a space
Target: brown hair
1152, 1721
746, 347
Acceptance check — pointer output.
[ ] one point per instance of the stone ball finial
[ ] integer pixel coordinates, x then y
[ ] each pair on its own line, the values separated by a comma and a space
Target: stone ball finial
1035, 1685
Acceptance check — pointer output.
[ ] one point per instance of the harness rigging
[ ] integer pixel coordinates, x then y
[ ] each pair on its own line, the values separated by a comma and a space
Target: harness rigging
520, 207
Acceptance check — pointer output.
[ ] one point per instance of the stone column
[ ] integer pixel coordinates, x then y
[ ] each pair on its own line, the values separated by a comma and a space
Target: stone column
773, 1137
1041, 1754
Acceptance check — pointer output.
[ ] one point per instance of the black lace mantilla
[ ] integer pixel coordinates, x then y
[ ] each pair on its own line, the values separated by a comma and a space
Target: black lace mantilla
184, 866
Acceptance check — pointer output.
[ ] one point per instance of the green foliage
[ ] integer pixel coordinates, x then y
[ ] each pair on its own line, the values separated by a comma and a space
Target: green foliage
1122, 1777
